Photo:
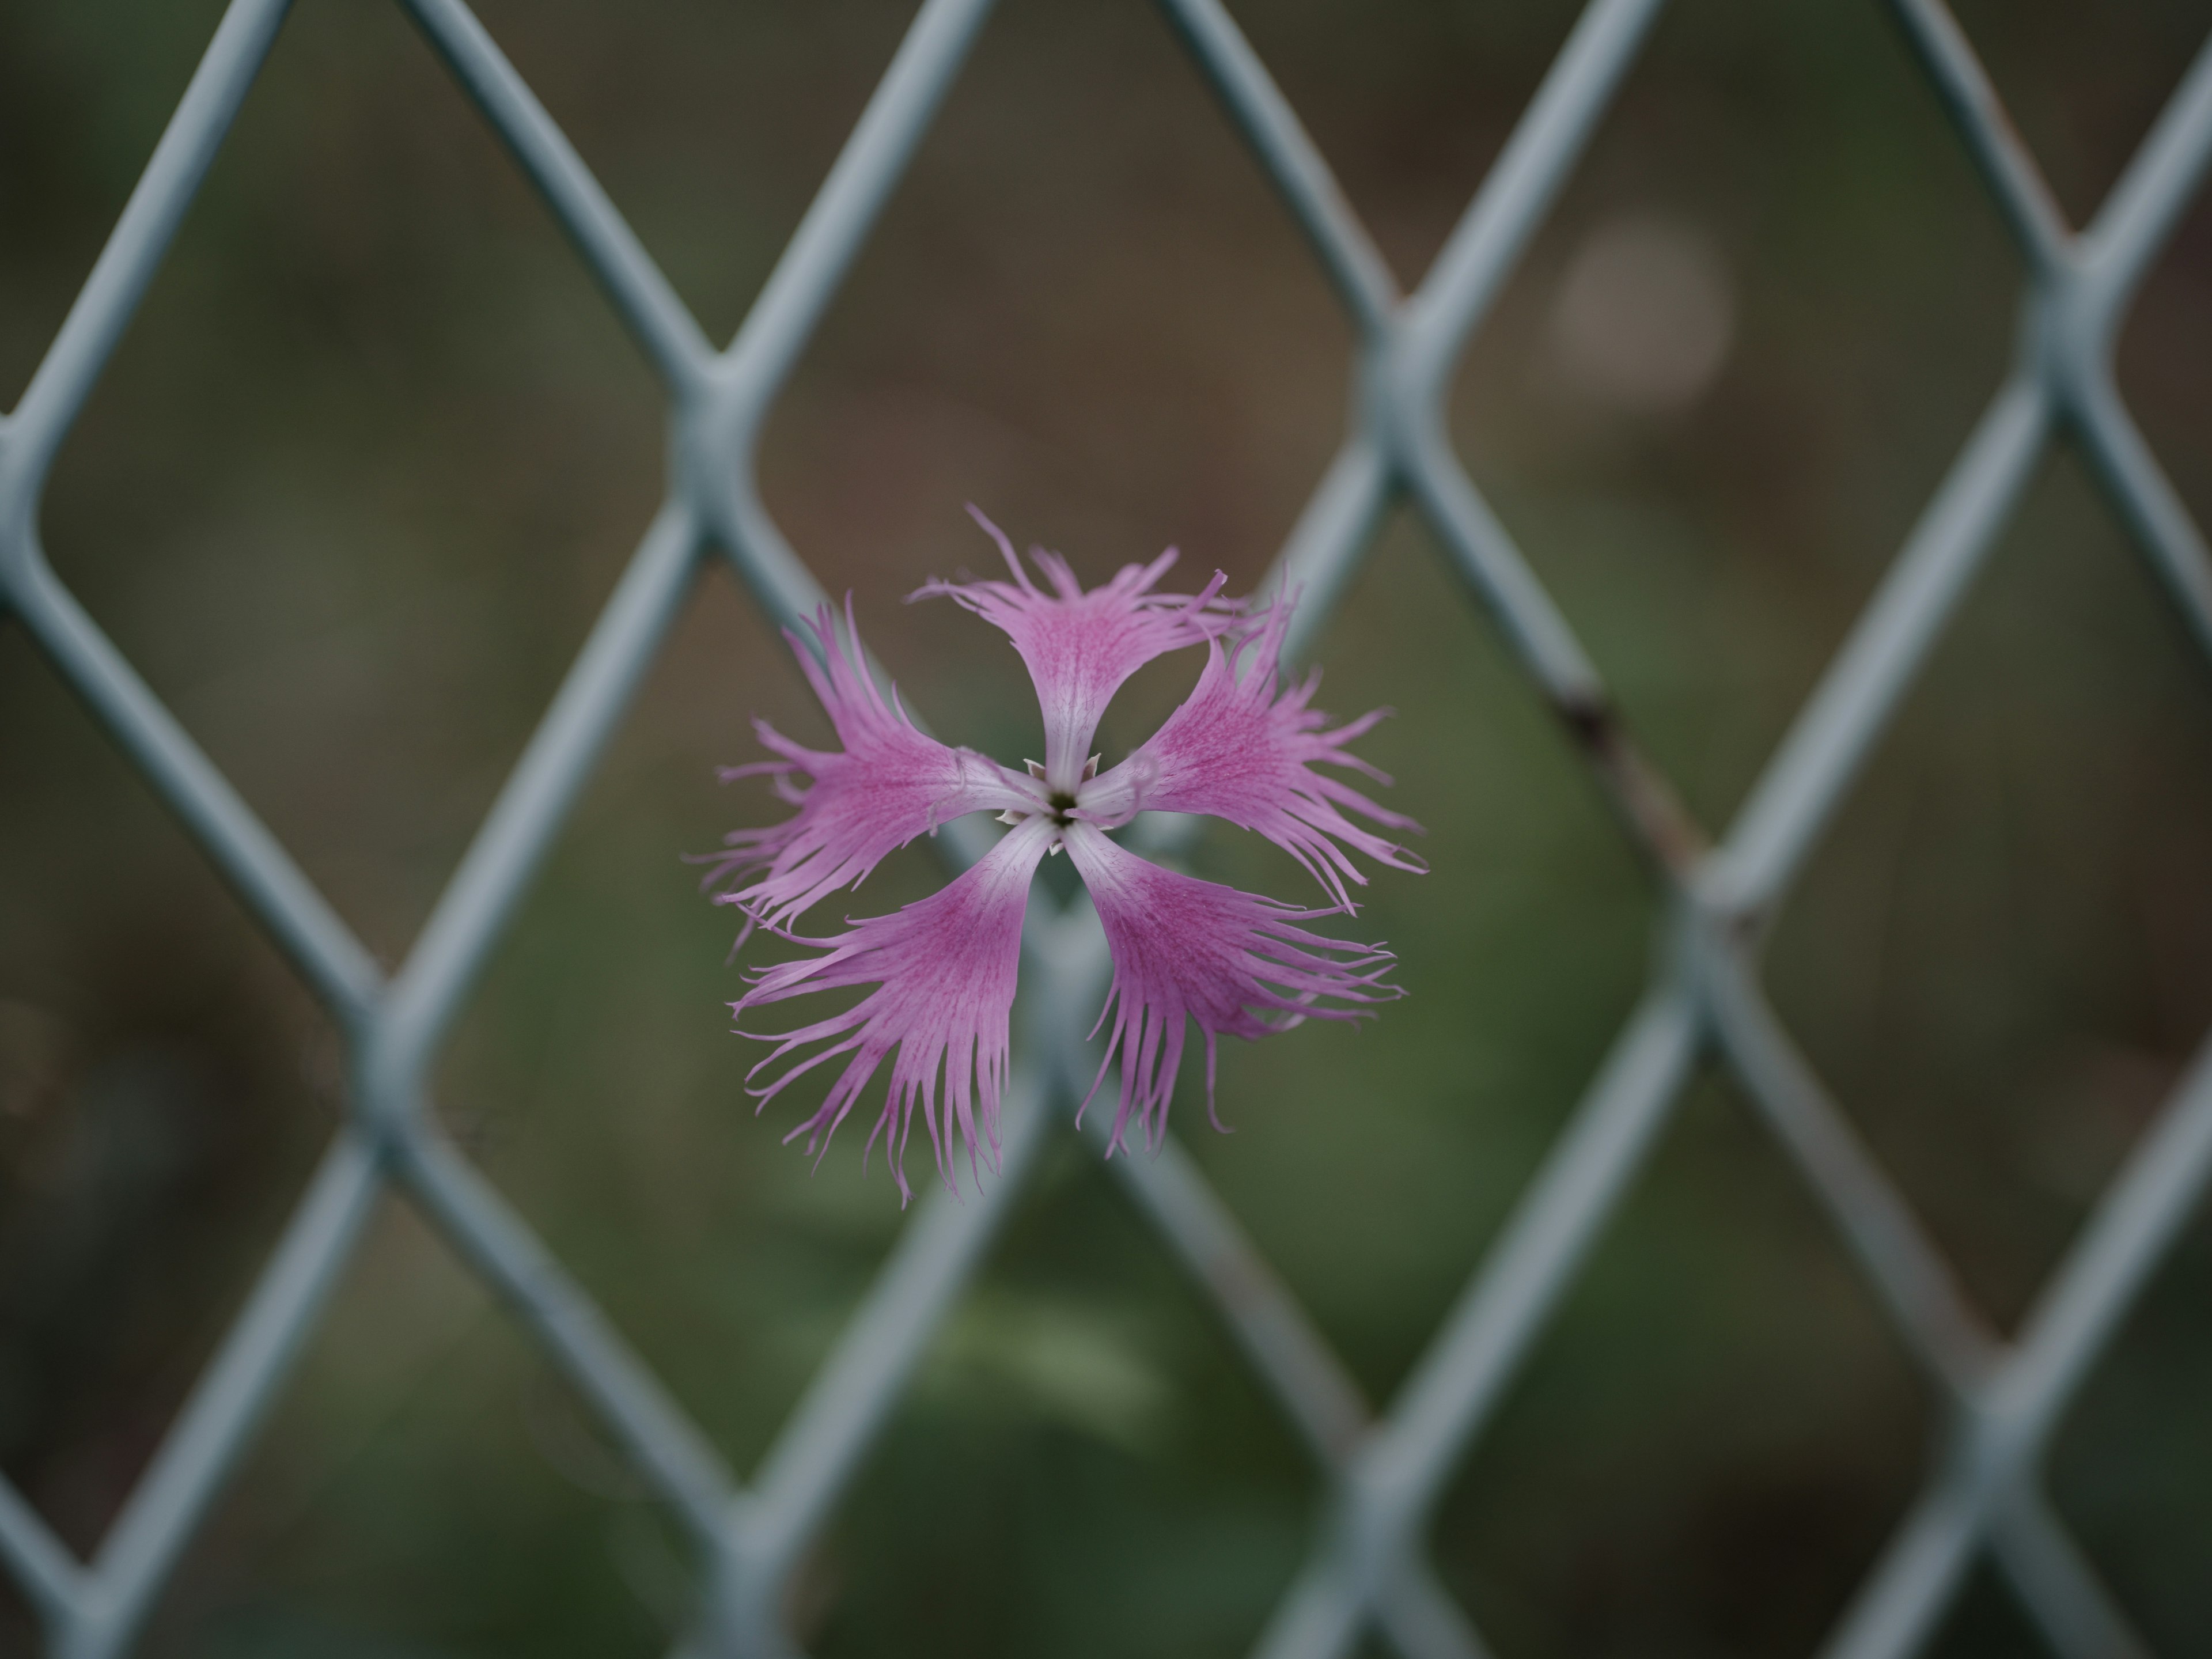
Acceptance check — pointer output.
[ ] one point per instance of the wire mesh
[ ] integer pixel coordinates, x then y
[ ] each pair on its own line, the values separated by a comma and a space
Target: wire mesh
1385, 1470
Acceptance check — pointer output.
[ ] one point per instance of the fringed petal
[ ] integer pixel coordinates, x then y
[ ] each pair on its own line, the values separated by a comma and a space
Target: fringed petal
1236, 749
1080, 647
1232, 961
890, 784
945, 968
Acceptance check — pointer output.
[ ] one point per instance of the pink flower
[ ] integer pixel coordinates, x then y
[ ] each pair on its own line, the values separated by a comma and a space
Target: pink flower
1241, 748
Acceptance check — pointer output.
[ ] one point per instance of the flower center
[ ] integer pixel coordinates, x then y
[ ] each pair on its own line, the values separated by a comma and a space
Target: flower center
1059, 804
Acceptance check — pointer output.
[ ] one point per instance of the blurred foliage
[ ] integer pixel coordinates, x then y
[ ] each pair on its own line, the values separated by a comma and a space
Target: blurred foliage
370, 459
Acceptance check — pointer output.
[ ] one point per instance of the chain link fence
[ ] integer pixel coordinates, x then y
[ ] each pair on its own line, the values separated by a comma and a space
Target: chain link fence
1385, 1471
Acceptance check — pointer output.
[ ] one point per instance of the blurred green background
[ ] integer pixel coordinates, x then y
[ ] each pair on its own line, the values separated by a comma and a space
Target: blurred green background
372, 455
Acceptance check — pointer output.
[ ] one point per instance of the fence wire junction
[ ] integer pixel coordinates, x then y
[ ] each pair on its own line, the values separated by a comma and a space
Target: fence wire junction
1384, 1471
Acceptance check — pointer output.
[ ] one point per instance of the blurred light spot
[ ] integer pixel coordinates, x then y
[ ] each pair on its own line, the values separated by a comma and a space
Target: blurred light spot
1644, 316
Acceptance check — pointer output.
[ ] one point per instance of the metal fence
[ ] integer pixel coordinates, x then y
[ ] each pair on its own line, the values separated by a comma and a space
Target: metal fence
1385, 1473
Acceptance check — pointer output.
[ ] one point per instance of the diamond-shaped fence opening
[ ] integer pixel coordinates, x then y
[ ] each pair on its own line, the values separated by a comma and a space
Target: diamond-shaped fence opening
156, 1137
1709, 1507
1674, 229
1386, 1464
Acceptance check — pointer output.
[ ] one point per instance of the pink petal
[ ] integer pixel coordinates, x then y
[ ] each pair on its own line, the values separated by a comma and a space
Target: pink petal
1080, 647
1185, 947
1238, 751
890, 784
945, 968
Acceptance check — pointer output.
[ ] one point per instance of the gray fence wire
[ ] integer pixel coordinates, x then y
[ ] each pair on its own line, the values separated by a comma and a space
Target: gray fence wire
1385, 1470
